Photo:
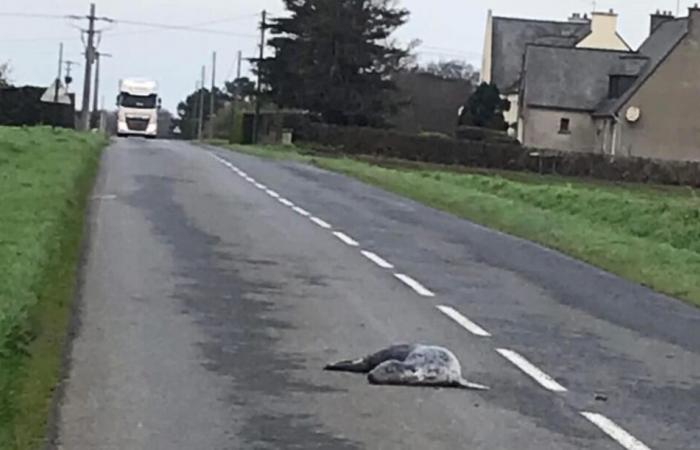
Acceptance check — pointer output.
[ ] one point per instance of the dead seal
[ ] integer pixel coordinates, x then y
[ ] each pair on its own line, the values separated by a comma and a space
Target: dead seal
410, 365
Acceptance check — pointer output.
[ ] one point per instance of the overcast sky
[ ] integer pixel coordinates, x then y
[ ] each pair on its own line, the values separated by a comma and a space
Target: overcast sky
449, 29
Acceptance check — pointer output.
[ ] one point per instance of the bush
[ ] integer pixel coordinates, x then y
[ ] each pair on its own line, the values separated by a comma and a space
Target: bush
494, 152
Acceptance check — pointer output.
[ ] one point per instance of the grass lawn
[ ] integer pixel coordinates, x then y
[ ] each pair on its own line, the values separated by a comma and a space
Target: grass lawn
647, 234
45, 179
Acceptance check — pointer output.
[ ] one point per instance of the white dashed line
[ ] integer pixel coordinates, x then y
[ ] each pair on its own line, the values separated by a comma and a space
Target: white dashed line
272, 193
321, 223
249, 179
301, 211
618, 434
285, 202
377, 260
260, 186
463, 321
413, 284
346, 239
530, 369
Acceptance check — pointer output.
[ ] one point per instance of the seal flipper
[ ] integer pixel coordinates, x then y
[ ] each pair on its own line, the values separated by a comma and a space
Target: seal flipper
464, 384
357, 366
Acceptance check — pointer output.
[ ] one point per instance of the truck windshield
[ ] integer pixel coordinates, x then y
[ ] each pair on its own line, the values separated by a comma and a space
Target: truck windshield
139, 101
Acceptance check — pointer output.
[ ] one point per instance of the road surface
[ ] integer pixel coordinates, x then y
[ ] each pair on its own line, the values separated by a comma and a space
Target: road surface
217, 285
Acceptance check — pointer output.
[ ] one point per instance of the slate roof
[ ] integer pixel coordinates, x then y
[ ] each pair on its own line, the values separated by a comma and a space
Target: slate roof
573, 78
657, 46
511, 37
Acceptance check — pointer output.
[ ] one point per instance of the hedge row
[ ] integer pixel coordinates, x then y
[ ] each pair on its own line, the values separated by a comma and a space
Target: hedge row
494, 155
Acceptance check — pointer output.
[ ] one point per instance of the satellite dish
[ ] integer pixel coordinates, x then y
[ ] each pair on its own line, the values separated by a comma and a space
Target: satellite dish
633, 114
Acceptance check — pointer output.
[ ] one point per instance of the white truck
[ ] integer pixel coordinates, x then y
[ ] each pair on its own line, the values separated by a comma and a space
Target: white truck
137, 108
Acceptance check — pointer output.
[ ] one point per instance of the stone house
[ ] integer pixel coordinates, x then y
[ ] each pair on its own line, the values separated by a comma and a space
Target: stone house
642, 104
507, 40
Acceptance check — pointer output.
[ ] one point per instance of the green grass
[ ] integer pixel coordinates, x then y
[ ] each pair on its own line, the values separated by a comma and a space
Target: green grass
45, 179
645, 233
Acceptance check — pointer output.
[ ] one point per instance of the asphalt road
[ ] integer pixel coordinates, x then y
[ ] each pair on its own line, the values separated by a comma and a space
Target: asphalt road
215, 290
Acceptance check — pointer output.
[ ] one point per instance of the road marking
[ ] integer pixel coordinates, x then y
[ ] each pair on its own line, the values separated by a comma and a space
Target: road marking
285, 202
347, 239
377, 260
321, 223
272, 193
463, 321
413, 284
301, 211
618, 434
247, 178
530, 369
105, 197
260, 186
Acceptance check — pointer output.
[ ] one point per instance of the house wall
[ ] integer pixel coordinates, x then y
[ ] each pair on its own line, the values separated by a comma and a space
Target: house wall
604, 33
541, 130
669, 127
486, 61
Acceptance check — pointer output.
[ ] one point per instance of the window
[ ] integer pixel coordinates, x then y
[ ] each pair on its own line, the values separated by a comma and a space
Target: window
619, 84
138, 101
564, 126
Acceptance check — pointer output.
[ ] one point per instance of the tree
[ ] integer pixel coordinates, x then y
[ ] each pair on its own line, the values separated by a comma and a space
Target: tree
4, 75
243, 89
336, 58
188, 110
451, 70
485, 108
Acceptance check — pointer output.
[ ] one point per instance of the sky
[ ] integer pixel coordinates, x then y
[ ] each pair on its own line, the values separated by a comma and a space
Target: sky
448, 29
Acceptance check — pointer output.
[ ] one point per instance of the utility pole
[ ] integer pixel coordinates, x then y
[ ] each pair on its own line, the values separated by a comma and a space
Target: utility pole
89, 59
234, 99
60, 69
201, 104
212, 107
258, 90
95, 96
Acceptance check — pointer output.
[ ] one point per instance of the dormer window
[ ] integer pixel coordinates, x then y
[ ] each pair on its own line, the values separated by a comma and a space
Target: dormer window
619, 84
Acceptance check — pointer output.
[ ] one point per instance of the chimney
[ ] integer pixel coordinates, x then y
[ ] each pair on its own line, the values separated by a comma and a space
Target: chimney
578, 18
694, 19
603, 33
659, 18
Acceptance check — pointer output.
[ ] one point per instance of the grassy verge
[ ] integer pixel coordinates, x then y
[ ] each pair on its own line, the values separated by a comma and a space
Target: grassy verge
647, 234
45, 179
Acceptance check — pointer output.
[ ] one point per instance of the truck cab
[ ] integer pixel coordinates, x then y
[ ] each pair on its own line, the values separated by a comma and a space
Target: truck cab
137, 108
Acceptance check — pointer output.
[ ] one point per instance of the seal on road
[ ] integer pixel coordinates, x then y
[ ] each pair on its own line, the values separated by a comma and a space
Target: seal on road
410, 365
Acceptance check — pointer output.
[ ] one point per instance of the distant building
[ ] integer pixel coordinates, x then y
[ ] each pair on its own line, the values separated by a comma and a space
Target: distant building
507, 40
643, 104
429, 103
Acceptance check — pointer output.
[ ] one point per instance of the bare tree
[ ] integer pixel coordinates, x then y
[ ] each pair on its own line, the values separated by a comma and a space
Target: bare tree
5, 75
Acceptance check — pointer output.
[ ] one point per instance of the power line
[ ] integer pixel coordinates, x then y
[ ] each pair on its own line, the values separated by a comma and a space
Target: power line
164, 26
33, 15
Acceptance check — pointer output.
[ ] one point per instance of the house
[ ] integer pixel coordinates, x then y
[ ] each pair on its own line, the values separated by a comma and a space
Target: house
642, 104
429, 103
508, 38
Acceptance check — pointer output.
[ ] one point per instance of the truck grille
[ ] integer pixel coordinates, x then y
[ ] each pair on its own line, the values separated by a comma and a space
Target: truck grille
136, 124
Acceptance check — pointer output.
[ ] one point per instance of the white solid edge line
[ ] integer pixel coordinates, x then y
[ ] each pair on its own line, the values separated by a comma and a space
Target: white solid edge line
303, 212
615, 432
413, 284
272, 193
530, 369
346, 239
321, 223
285, 202
463, 321
377, 260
